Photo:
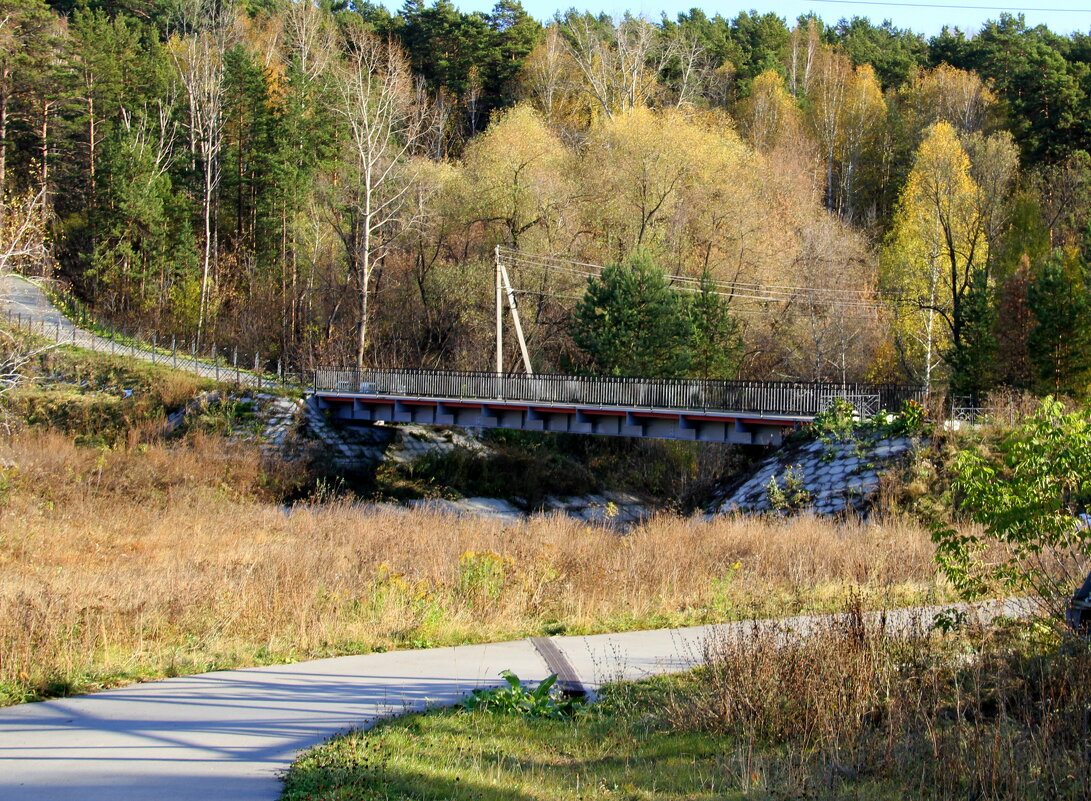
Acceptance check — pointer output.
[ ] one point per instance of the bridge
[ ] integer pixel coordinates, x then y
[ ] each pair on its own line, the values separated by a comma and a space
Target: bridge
740, 412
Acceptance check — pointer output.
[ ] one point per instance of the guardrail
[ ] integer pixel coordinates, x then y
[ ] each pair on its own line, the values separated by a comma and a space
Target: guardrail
800, 399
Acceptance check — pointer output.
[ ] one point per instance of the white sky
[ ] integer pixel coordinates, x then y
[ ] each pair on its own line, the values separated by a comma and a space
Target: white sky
913, 14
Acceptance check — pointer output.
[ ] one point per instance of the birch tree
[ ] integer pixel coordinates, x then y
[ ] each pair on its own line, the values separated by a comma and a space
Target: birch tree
803, 46
202, 36
827, 97
619, 64
946, 93
385, 115
937, 246
862, 117
770, 113
309, 47
22, 230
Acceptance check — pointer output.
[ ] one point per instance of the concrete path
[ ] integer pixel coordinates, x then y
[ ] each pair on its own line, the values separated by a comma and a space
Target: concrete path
227, 735
24, 304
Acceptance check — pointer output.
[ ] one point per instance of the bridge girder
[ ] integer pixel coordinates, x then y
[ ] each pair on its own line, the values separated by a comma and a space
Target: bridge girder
695, 426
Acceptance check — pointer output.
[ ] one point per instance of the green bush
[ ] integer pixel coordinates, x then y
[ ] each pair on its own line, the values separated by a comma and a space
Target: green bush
1027, 492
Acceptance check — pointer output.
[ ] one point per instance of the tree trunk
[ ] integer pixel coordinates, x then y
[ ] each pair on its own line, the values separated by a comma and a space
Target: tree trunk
207, 260
3, 133
365, 276
92, 143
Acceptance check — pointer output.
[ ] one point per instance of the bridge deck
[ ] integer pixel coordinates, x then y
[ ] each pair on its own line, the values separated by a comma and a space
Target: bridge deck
749, 412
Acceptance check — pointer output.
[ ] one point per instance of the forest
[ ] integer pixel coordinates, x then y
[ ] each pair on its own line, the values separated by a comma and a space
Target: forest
329, 183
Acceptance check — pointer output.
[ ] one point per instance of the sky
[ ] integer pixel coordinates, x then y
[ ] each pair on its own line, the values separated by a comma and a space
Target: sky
1062, 16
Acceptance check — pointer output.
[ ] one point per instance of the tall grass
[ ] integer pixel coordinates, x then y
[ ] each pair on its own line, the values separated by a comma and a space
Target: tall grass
144, 561
990, 714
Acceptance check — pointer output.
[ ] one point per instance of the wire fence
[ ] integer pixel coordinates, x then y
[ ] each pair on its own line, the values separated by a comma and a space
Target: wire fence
803, 399
998, 408
222, 364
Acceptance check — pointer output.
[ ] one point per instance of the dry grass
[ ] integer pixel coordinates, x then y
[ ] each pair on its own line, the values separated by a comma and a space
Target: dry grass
147, 561
997, 713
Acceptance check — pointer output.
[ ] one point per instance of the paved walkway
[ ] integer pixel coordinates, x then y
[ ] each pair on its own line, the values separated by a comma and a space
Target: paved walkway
24, 304
228, 735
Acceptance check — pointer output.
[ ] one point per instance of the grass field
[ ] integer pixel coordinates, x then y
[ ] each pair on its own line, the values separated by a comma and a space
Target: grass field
151, 559
854, 712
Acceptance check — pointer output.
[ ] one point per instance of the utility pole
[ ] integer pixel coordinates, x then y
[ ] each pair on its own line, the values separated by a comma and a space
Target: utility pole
499, 316
515, 318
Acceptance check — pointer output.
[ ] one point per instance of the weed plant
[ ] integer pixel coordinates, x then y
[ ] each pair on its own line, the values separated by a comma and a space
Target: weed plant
922, 712
517, 698
99, 399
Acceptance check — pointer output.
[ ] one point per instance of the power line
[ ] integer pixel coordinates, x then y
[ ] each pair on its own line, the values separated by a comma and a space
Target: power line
593, 270
955, 6
805, 295
855, 313
862, 300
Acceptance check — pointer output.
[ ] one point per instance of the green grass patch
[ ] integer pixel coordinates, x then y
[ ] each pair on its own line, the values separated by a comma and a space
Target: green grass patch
609, 749
98, 398
854, 711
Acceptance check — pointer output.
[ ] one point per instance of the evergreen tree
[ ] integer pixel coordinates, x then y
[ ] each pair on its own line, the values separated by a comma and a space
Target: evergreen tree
1060, 340
246, 218
1012, 329
760, 42
27, 47
145, 256
515, 33
631, 323
716, 346
895, 53
973, 364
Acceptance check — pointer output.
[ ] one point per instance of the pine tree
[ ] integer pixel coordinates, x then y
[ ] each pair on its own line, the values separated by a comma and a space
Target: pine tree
631, 323
1012, 327
145, 256
973, 365
716, 346
1060, 341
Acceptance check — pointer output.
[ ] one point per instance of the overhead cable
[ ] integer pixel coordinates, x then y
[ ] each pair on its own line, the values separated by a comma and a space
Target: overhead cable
747, 291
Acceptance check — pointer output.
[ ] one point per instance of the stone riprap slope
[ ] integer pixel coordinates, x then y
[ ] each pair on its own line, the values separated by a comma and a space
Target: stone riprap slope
827, 477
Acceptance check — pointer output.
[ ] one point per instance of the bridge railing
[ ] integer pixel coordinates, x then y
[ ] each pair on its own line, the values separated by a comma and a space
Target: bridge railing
757, 397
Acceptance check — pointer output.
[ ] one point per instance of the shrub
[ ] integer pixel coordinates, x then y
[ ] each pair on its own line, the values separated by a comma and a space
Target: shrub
793, 497
1028, 494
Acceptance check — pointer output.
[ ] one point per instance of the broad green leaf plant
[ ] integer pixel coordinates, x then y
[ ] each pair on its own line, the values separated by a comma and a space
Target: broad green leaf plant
1030, 495
518, 699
